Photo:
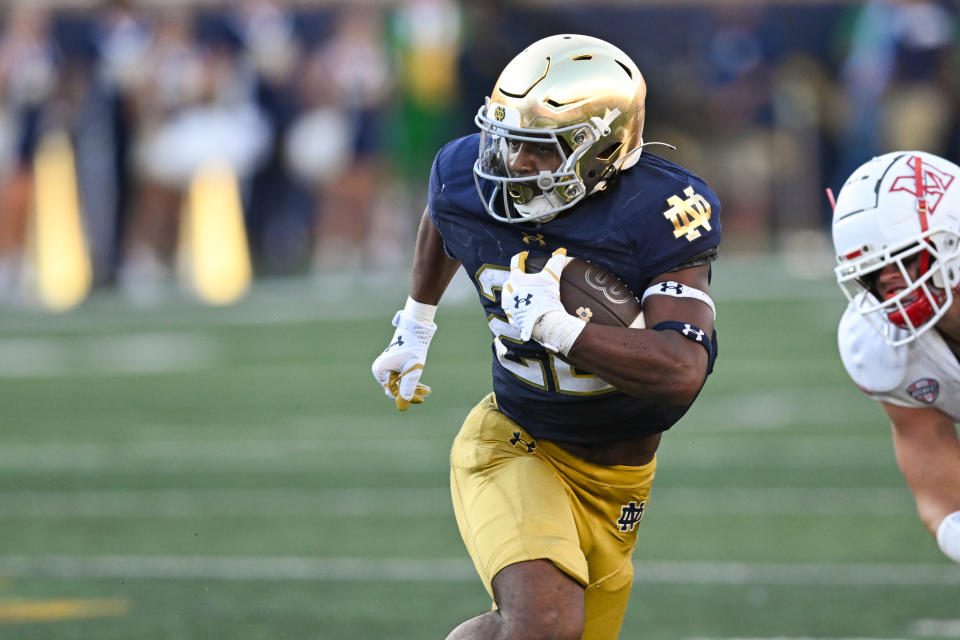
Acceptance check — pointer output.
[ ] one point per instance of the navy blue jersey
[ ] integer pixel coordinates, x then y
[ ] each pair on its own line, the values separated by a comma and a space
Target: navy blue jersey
656, 217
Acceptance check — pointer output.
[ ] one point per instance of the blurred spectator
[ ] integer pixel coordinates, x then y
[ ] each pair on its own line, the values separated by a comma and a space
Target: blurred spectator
425, 38
27, 82
279, 214
426, 42
737, 121
194, 107
330, 115
88, 108
898, 79
123, 34
486, 48
336, 144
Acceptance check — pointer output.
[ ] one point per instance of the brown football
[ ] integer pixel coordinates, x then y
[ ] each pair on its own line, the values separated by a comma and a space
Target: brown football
593, 293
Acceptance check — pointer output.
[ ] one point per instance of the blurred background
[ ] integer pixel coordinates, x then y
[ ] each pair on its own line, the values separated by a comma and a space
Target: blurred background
325, 117
207, 214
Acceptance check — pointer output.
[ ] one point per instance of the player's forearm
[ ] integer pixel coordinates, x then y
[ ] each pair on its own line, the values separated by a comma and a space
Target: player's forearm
939, 509
658, 365
433, 269
928, 454
938, 494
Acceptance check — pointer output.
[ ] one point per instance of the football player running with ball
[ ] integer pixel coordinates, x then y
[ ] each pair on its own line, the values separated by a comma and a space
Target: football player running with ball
551, 473
896, 231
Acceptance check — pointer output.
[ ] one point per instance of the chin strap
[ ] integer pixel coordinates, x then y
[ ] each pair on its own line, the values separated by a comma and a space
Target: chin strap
632, 161
630, 158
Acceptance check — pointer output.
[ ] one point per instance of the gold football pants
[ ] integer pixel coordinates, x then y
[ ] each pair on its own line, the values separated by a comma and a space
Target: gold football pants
518, 499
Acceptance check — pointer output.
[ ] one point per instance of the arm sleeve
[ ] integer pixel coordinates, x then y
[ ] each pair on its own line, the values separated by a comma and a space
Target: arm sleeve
437, 200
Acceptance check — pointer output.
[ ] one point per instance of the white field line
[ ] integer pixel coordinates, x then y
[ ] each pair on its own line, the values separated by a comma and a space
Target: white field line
128, 353
275, 502
182, 503
459, 570
767, 411
179, 454
789, 451
929, 628
782, 501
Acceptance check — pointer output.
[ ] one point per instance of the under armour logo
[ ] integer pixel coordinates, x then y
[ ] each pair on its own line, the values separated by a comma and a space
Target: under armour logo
630, 515
676, 286
398, 343
525, 301
516, 440
530, 238
688, 331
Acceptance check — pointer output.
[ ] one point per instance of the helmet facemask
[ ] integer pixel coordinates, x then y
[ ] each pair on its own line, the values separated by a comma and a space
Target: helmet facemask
539, 195
928, 290
899, 215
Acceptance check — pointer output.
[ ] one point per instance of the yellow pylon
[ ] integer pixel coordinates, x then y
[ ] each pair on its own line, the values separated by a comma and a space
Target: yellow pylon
213, 254
58, 257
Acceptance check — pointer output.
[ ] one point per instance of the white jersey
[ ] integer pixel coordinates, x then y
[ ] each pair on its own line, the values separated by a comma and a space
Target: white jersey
923, 374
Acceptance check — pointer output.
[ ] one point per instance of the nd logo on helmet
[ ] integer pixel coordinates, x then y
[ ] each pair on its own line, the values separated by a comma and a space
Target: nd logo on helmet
499, 113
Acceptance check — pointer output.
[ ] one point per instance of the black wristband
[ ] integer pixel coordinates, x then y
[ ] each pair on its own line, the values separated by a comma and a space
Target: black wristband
688, 331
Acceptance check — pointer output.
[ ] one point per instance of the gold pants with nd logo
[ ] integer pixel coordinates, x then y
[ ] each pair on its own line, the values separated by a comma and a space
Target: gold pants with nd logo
517, 499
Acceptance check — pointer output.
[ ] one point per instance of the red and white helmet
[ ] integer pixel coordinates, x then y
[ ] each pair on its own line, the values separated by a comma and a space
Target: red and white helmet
893, 209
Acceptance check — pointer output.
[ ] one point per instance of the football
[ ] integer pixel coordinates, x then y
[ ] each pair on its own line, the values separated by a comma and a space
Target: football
594, 294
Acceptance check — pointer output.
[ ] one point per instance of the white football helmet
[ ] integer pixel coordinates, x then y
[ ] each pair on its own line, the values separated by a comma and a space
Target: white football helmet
895, 209
572, 103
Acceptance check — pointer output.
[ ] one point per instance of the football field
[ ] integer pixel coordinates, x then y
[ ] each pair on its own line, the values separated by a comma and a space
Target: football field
195, 473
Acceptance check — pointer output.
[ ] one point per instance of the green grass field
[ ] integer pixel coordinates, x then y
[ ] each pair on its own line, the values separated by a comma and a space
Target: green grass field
192, 473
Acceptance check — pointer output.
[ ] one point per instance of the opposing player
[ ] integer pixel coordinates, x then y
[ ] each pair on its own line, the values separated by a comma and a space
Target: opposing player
896, 231
551, 473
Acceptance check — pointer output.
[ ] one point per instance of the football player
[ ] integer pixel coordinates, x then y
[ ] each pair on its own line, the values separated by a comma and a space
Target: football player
896, 231
551, 473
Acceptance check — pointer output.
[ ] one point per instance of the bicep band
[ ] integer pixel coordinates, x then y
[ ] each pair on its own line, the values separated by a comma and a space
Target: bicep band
688, 331
678, 290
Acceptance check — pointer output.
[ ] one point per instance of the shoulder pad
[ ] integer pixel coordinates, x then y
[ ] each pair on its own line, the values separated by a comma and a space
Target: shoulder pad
875, 366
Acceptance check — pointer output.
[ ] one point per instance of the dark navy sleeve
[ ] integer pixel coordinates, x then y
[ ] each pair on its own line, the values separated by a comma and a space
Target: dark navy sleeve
684, 223
436, 199
452, 199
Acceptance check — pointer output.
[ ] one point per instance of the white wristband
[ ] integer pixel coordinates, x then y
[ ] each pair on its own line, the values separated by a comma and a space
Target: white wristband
420, 311
557, 331
948, 536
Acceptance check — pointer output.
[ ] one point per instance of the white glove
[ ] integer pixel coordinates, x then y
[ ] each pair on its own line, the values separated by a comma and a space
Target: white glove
399, 367
526, 297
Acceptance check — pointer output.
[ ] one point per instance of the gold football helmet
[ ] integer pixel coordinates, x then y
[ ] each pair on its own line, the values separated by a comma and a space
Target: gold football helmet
565, 116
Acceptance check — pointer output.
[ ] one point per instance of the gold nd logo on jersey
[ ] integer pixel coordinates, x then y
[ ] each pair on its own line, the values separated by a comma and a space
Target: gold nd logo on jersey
687, 215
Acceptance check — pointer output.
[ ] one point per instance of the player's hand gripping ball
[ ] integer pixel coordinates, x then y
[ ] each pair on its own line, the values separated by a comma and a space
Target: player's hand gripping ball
528, 296
399, 367
593, 294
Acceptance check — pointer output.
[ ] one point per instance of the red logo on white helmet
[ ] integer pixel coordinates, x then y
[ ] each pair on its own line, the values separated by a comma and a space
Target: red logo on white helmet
935, 183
